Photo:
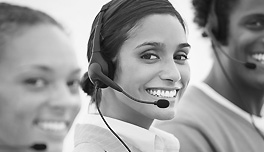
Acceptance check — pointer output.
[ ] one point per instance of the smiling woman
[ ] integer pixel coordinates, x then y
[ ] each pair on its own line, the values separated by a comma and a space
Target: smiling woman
39, 81
131, 55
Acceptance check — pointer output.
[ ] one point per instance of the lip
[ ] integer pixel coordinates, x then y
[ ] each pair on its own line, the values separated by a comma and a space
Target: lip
54, 129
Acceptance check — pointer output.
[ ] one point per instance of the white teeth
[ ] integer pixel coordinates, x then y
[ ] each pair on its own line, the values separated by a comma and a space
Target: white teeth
52, 125
259, 57
158, 92
162, 93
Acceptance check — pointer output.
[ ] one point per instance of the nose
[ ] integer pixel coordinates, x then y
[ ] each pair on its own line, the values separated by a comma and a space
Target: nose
63, 99
170, 72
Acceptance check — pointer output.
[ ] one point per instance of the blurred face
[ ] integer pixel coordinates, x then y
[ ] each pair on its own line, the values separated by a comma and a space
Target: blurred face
246, 43
152, 65
39, 94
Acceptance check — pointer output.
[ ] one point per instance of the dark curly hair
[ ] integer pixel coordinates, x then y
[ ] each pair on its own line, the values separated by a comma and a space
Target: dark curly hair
117, 21
222, 10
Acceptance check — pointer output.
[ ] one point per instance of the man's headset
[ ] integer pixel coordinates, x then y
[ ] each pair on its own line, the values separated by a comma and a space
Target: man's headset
212, 27
213, 31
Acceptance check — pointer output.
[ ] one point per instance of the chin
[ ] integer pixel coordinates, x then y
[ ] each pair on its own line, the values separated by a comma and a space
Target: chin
167, 114
54, 147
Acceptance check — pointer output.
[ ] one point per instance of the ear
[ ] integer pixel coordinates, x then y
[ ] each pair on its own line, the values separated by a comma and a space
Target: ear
211, 28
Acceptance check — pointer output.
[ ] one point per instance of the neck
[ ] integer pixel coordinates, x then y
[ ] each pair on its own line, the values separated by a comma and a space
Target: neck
248, 99
4, 148
114, 108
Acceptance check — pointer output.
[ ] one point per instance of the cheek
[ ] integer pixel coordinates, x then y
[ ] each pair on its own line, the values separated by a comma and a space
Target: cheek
19, 104
247, 41
185, 77
10, 103
7, 109
242, 40
185, 74
17, 107
15, 116
129, 72
132, 79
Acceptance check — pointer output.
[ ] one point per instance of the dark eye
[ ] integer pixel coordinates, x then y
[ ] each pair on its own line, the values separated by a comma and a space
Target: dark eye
255, 24
181, 57
74, 85
149, 56
36, 82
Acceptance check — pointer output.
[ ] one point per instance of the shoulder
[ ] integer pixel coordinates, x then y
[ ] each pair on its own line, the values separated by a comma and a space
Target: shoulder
170, 141
92, 138
88, 132
194, 108
163, 134
88, 147
196, 112
198, 122
87, 138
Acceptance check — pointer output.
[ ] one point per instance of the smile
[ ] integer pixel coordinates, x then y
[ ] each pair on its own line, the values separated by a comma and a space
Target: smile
162, 93
53, 126
258, 57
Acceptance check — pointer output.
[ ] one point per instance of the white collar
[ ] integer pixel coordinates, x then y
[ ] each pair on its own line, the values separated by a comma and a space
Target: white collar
129, 132
259, 121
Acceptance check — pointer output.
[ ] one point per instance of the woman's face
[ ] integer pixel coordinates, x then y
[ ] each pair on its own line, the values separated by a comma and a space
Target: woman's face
39, 92
152, 65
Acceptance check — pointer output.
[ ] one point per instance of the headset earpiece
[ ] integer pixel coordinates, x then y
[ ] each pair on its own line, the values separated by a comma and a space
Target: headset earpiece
211, 28
101, 71
96, 57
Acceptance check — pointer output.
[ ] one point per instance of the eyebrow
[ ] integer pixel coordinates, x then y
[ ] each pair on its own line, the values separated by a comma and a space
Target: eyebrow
77, 70
183, 45
158, 44
256, 14
41, 67
47, 69
250, 16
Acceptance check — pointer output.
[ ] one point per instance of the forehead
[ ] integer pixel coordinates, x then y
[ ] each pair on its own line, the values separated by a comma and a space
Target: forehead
249, 7
44, 45
162, 27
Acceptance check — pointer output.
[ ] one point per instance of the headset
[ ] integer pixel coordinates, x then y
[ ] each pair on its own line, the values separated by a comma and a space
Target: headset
212, 30
97, 63
100, 71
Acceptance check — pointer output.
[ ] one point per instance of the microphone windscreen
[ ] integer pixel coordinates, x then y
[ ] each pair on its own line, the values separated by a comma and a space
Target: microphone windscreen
39, 147
162, 103
250, 65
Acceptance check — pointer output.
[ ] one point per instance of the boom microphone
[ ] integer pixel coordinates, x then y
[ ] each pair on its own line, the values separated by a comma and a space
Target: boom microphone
36, 147
96, 75
248, 65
